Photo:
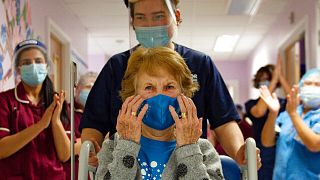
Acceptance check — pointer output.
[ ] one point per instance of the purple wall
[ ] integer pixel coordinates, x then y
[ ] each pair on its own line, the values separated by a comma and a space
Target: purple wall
267, 50
236, 70
97, 61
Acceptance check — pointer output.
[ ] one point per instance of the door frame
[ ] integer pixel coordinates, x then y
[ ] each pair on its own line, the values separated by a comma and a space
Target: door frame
294, 35
53, 28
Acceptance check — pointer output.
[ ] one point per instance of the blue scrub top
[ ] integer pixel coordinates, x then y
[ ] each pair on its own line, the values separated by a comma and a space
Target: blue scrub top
267, 153
293, 159
213, 100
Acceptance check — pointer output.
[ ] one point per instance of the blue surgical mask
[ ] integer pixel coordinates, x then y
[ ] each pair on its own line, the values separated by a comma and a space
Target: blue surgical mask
310, 96
150, 37
84, 93
265, 83
158, 115
34, 74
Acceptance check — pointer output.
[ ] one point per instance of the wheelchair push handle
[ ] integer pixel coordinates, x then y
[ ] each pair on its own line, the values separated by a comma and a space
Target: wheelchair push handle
251, 159
84, 167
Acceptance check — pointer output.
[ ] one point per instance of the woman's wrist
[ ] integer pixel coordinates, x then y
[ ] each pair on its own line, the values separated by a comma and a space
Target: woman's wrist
130, 139
56, 122
274, 112
293, 114
179, 145
41, 125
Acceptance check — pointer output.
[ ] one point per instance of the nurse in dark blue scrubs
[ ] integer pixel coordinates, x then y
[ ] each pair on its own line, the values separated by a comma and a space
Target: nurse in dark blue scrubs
155, 22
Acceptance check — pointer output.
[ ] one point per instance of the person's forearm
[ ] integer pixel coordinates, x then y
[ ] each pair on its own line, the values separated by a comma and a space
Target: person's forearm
230, 138
61, 141
13, 143
268, 135
273, 84
259, 109
308, 137
77, 147
284, 84
89, 134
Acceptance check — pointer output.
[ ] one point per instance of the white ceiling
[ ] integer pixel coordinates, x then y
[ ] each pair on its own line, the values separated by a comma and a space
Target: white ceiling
203, 21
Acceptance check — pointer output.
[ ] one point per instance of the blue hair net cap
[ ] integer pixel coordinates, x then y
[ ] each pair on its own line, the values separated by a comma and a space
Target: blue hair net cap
30, 43
311, 73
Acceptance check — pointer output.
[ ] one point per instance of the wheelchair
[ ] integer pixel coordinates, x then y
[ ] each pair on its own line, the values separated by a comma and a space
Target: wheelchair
231, 170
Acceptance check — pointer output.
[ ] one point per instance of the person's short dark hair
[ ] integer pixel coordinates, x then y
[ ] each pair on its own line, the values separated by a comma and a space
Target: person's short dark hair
267, 69
176, 2
126, 3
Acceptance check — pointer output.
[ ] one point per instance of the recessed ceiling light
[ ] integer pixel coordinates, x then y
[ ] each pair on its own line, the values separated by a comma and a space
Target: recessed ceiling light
226, 43
238, 7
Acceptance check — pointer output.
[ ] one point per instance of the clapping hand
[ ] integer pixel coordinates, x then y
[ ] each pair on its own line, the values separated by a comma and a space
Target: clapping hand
270, 99
46, 118
293, 100
128, 121
188, 127
58, 99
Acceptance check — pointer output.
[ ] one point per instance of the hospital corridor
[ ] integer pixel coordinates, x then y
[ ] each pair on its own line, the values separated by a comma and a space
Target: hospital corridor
160, 89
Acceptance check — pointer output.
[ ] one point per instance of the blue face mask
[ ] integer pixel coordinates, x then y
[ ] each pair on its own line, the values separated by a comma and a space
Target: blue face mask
266, 83
310, 96
83, 96
158, 115
150, 37
34, 74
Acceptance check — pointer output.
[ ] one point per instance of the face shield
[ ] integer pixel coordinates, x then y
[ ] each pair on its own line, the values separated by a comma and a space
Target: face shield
152, 23
27, 45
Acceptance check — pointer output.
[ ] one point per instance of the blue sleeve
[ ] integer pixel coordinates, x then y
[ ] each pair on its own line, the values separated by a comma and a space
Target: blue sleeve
220, 108
316, 128
315, 124
281, 118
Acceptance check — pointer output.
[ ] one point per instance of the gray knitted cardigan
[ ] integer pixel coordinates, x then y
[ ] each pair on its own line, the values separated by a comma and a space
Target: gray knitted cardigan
118, 160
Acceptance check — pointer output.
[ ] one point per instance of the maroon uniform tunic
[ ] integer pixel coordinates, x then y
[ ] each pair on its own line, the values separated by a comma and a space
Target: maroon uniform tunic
38, 159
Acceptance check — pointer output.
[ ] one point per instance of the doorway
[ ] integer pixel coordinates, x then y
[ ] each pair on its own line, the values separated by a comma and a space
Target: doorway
59, 50
295, 60
56, 57
295, 52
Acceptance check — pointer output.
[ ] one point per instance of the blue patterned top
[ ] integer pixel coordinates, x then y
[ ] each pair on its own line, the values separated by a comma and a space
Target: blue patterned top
153, 156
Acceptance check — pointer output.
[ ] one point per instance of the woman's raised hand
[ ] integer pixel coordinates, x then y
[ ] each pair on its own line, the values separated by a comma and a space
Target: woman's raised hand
58, 99
270, 99
188, 126
46, 118
128, 121
293, 100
